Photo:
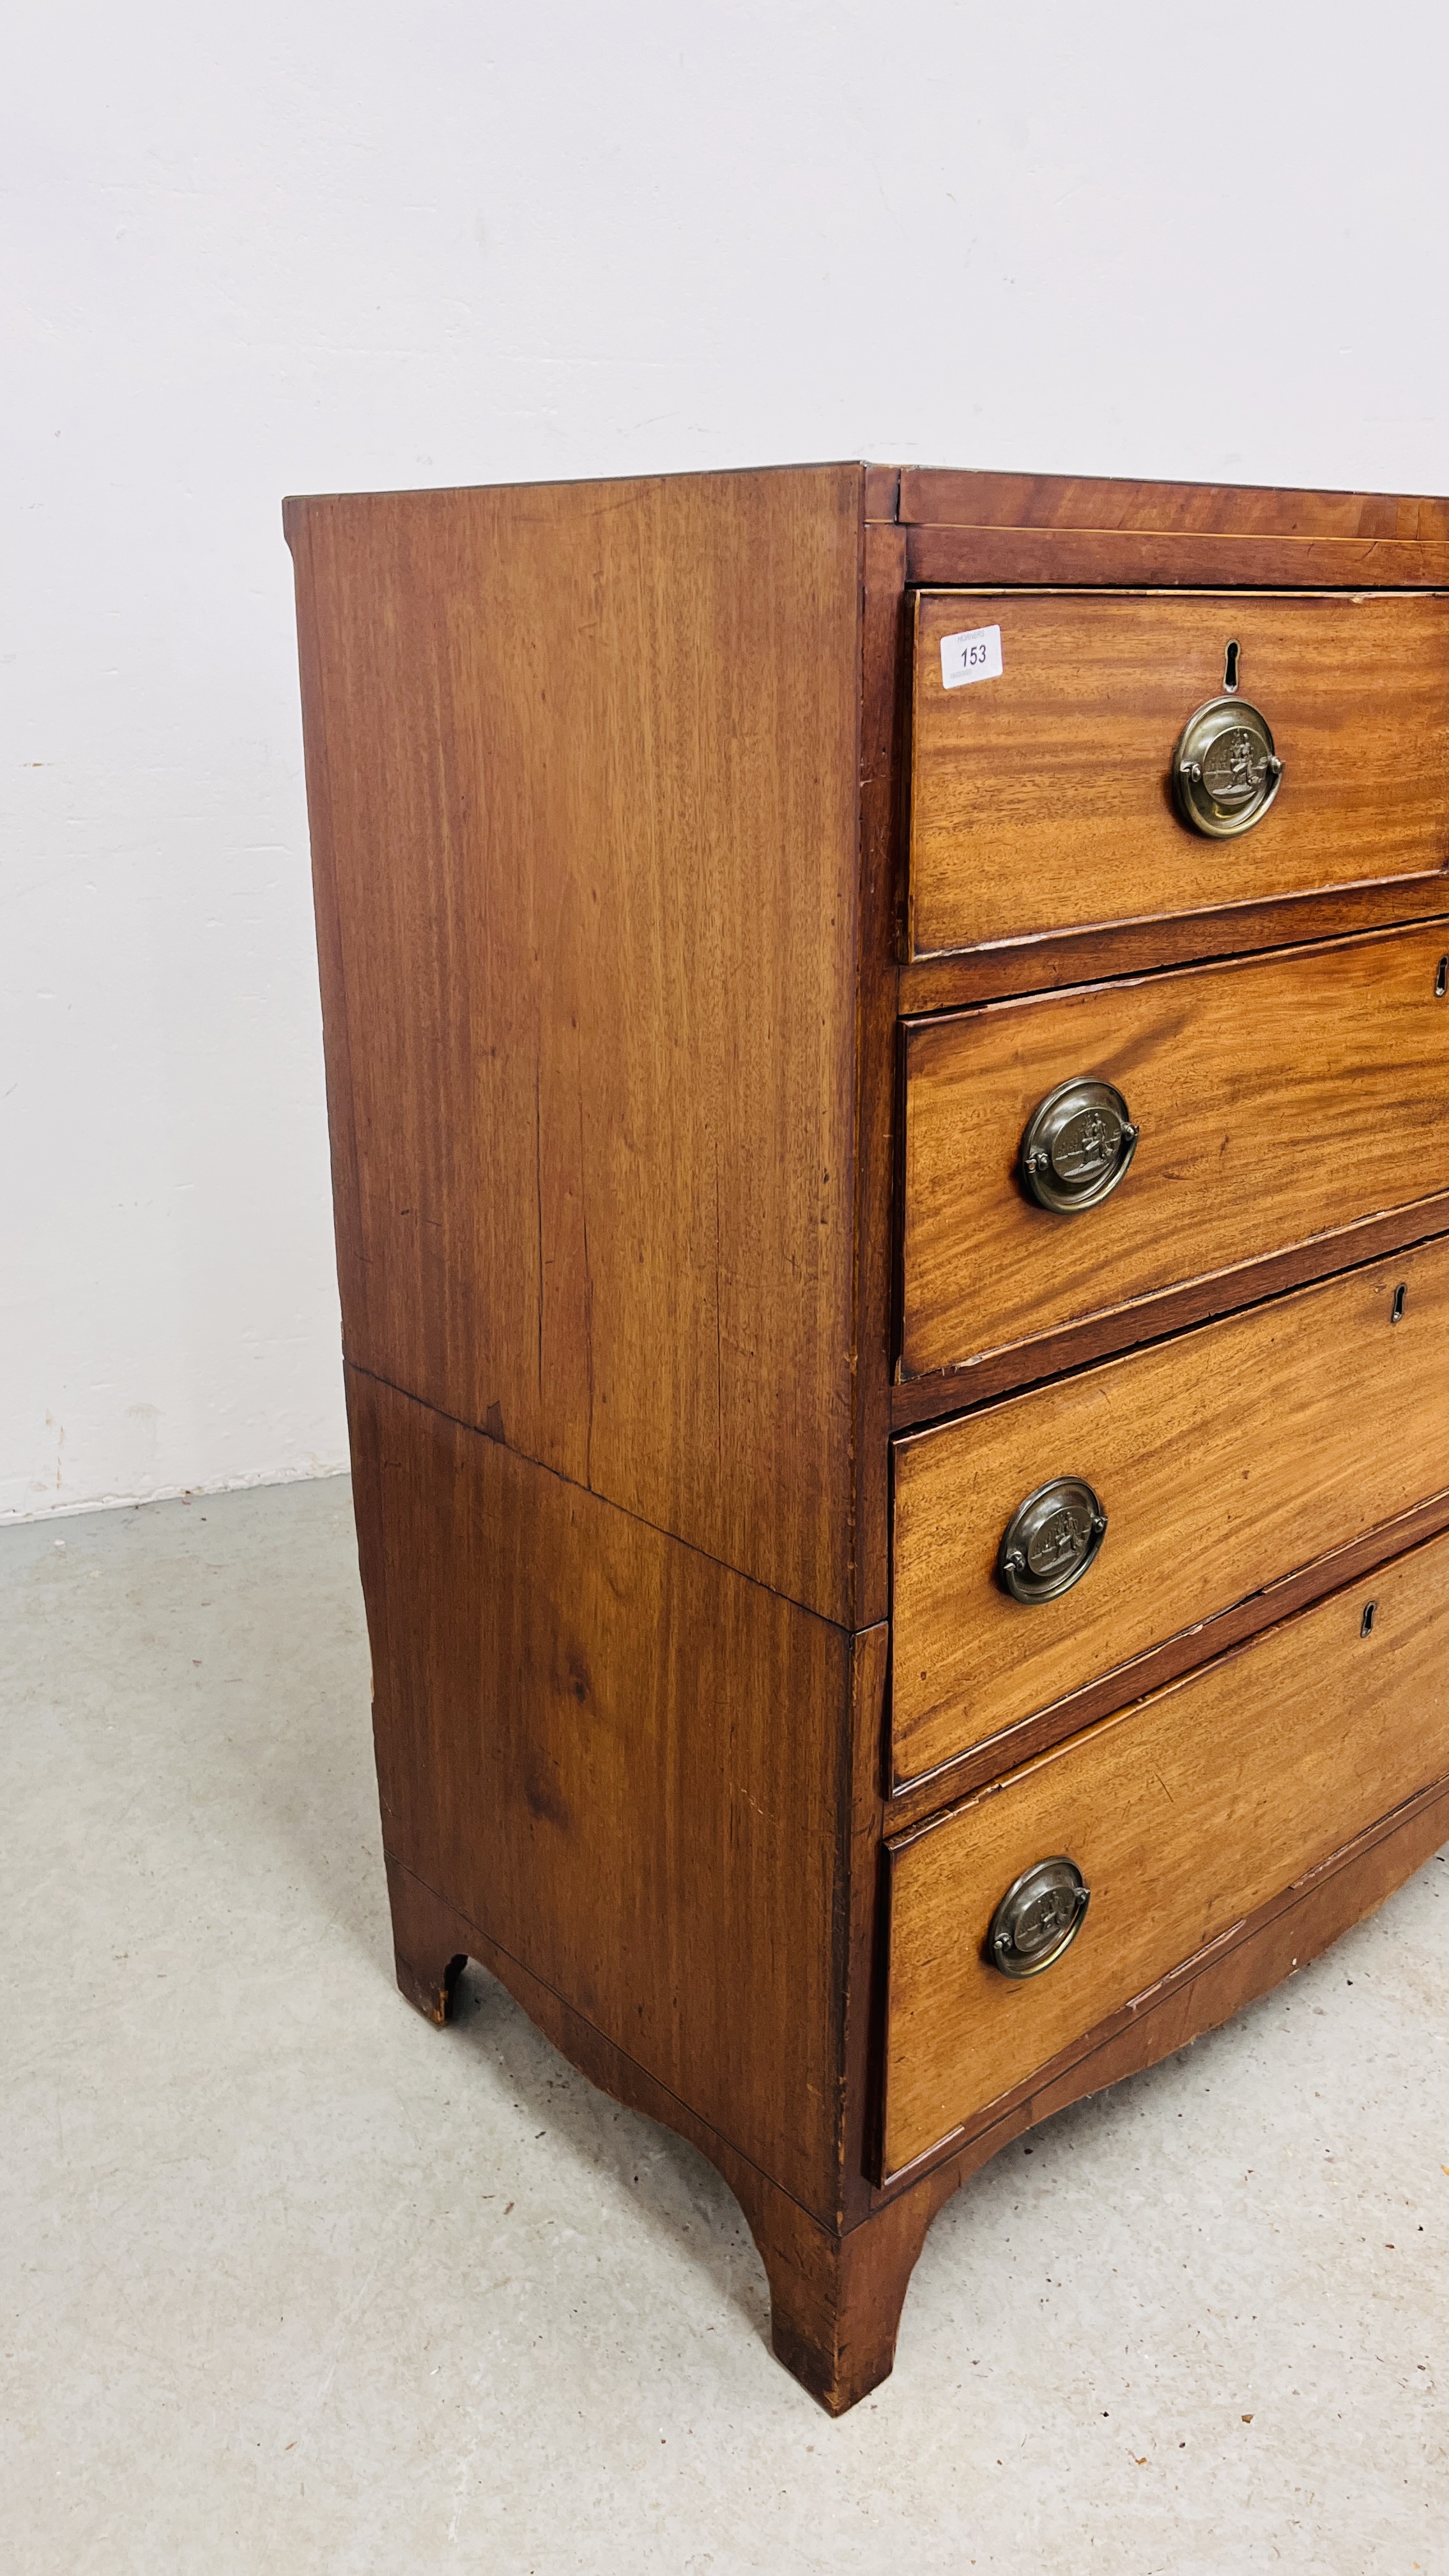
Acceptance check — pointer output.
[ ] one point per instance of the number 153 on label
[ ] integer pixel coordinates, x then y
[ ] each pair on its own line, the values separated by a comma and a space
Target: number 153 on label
973, 656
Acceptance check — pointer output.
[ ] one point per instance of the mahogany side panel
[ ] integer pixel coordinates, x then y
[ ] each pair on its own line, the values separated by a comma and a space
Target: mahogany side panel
587, 847
624, 1762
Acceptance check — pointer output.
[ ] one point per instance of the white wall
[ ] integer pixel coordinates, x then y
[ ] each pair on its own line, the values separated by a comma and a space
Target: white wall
320, 247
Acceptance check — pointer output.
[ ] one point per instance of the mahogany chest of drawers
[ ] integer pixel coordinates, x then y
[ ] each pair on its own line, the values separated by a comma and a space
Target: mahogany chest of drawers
888, 1063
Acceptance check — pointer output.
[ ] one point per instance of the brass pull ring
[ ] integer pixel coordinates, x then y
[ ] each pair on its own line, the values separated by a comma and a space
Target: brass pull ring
1038, 1918
1225, 771
1051, 1540
1078, 1144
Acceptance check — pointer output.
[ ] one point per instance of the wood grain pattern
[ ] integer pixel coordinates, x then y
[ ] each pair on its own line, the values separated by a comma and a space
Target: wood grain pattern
961, 976
835, 2301
919, 1400
882, 493
938, 557
607, 786
1225, 1459
1216, 1794
834, 2313
1023, 528
1280, 1098
1121, 506
885, 663
625, 1763
835, 2297
1200, 1994
588, 853
865, 1918
915, 1800
1040, 800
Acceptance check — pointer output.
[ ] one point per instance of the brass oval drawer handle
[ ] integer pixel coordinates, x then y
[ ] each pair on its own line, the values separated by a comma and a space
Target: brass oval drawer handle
1038, 1918
1225, 771
1078, 1144
1051, 1539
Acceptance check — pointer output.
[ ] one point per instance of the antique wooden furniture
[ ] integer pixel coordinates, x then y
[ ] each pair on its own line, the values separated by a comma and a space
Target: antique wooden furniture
887, 1051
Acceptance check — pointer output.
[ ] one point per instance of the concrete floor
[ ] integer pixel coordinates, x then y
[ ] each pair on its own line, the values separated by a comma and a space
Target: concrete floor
293, 2282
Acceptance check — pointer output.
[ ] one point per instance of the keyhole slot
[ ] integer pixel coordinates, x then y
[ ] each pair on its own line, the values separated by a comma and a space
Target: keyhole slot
1230, 668
1396, 1311
1441, 980
1366, 1624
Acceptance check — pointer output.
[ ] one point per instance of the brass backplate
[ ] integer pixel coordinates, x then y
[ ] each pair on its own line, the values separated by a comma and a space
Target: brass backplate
1077, 1147
1051, 1540
1038, 1918
1225, 770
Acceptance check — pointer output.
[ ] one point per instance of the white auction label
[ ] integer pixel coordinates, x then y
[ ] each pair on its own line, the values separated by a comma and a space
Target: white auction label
974, 656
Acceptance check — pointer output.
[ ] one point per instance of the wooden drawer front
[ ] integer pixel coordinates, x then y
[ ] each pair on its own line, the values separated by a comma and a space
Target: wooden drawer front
1278, 1098
1184, 1814
1040, 800
1224, 1459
